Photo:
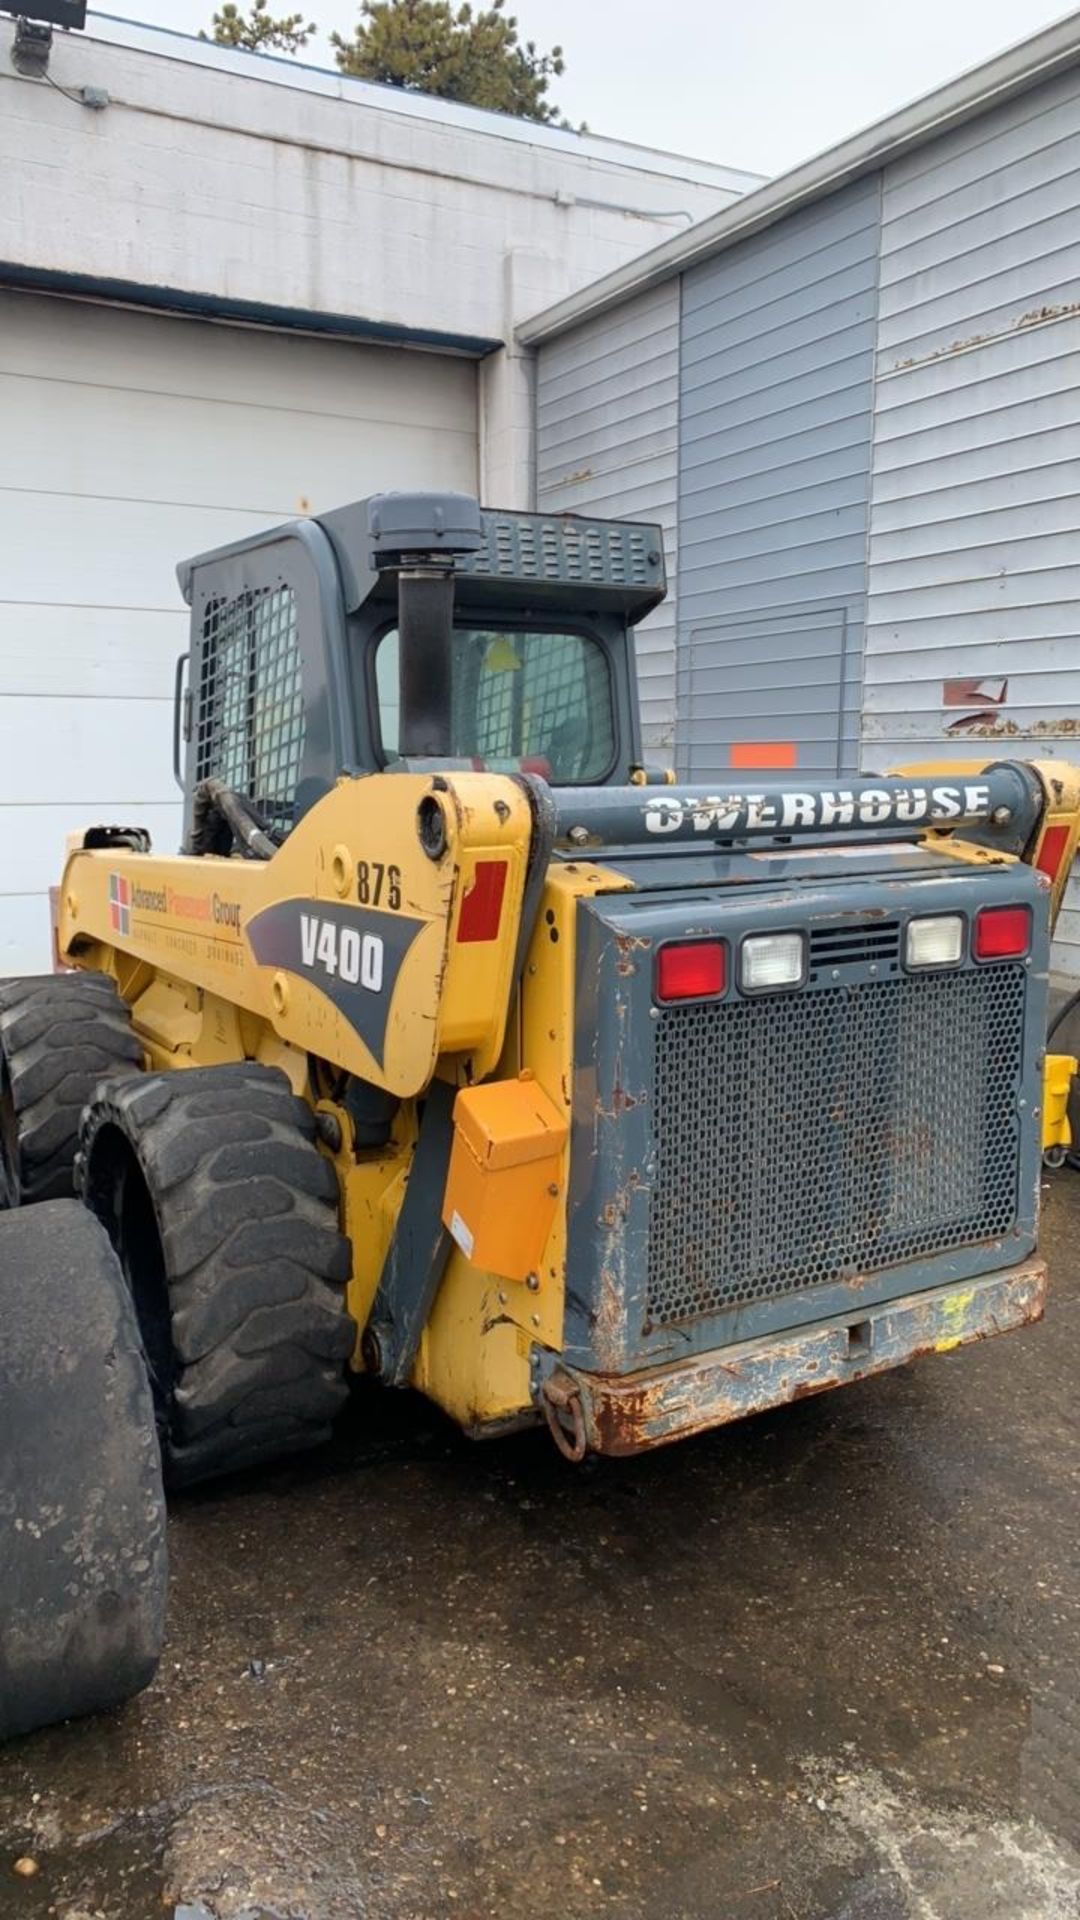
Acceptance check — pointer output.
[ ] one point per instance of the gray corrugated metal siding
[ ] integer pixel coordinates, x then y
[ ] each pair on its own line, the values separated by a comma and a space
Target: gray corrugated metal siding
777, 346
606, 438
974, 555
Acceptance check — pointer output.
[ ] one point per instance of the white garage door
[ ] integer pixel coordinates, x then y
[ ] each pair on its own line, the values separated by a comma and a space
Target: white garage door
129, 441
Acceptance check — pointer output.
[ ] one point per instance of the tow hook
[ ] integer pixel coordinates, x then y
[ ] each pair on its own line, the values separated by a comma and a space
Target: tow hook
563, 1413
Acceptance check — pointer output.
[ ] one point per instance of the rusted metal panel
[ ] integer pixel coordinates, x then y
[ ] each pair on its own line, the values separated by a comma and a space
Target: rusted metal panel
691, 1229
633, 1412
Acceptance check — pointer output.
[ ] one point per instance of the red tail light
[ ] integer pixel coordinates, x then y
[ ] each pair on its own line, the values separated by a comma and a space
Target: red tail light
1002, 933
1054, 842
696, 970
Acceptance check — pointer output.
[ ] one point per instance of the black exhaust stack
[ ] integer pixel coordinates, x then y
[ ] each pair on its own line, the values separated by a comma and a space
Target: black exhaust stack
418, 536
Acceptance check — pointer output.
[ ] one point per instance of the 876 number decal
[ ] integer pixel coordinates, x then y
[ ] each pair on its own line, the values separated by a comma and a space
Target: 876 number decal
378, 885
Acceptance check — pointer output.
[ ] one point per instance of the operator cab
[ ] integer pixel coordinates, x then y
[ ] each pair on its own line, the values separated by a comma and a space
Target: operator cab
414, 631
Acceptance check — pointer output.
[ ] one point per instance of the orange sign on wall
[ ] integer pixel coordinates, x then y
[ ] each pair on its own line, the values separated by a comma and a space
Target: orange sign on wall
774, 754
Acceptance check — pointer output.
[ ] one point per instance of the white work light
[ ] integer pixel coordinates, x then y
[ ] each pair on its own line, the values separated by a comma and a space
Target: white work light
770, 960
937, 941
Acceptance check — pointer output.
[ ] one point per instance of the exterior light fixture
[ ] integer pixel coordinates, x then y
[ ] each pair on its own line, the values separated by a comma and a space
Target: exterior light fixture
32, 44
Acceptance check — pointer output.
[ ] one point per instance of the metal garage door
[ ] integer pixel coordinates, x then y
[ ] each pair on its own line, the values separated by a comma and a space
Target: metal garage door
128, 441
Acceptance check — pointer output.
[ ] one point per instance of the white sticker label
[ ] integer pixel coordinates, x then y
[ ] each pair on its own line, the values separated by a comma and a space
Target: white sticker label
461, 1234
873, 850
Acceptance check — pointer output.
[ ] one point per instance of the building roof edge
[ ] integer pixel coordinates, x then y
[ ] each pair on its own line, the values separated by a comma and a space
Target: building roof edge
1015, 71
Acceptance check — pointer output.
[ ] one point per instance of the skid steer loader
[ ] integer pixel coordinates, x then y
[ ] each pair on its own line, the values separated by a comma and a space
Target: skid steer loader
461, 1046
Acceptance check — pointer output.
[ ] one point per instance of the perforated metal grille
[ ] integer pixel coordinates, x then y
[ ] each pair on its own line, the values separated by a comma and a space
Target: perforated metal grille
812, 1137
532, 547
249, 723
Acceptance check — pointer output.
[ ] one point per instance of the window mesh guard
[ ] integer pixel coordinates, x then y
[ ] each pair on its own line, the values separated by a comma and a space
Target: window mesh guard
249, 725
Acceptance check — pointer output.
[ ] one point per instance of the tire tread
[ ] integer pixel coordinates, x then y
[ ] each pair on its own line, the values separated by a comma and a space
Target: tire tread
255, 1264
60, 1035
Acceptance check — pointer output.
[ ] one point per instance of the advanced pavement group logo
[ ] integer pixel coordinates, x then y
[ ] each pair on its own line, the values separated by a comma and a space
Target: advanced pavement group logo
210, 912
119, 903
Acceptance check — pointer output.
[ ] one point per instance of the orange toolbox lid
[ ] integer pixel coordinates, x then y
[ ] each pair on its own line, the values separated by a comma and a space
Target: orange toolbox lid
506, 1123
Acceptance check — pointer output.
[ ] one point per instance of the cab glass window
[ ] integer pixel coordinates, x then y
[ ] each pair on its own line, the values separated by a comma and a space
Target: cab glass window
537, 702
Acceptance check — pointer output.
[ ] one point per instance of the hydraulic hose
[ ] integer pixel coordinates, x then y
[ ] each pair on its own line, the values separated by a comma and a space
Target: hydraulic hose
220, 817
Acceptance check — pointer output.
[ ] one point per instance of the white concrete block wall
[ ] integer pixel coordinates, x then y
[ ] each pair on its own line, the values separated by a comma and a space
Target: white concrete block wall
218, 172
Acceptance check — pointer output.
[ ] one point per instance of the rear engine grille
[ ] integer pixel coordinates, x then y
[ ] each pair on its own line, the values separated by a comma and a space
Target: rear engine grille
809, 1138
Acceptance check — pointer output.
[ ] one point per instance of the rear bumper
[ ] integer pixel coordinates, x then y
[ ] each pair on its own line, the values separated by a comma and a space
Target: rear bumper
621, 1414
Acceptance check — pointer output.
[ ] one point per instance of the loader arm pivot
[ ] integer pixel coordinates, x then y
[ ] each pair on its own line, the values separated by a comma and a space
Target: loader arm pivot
1054, 834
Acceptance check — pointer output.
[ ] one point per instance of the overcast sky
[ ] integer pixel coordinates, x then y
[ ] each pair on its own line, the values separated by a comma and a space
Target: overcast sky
761, 85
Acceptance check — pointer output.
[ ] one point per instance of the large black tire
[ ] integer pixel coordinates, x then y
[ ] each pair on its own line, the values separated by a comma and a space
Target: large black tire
224, 1216
60, 1034
82, 1512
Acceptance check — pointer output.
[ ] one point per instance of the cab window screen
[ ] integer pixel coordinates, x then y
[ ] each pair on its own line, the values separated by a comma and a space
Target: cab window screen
538, 700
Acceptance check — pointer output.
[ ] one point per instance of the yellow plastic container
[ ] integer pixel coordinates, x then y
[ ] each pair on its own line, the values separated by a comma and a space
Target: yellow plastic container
504, 1180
